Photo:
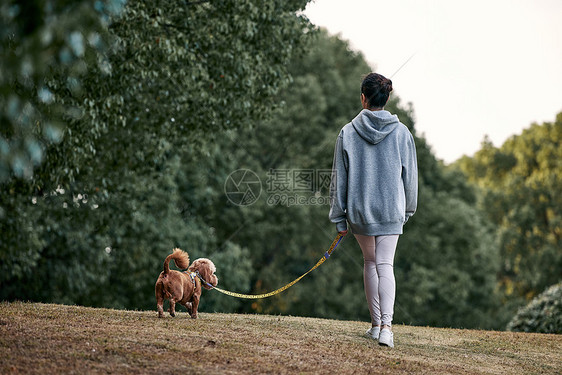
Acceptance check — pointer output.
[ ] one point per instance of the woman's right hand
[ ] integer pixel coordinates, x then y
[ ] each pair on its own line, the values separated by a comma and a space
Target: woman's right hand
343, 232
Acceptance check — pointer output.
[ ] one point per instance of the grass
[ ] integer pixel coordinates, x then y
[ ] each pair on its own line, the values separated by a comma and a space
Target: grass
57, 339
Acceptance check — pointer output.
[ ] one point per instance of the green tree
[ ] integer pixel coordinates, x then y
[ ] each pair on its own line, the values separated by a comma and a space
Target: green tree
36, 39
520, 184
543, 314
105, 201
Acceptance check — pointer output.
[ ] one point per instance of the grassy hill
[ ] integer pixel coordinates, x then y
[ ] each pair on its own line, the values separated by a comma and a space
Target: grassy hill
56, 339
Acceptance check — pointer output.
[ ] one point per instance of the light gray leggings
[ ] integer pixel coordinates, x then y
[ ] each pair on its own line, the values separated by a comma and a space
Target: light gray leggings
378, 275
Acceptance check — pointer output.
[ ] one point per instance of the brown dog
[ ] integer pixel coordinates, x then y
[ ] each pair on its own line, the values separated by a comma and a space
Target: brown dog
183, 288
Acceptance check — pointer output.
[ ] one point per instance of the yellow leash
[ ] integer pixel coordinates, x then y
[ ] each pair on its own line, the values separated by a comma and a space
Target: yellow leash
277, 291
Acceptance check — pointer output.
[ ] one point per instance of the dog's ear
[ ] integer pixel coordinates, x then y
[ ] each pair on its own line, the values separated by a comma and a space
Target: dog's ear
213, 279
206, 269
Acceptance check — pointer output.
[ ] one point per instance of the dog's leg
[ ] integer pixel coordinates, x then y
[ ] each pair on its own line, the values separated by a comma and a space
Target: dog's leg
160, 306
159, 298
194, 306
188, 306
172, 309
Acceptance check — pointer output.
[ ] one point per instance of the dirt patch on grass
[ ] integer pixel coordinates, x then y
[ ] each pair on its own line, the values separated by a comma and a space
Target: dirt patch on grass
41, 338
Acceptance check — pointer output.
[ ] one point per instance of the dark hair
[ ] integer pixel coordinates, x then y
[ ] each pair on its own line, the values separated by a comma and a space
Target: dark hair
376, 89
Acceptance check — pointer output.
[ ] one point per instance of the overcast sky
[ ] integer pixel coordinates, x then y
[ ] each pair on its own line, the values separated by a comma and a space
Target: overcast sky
476, 67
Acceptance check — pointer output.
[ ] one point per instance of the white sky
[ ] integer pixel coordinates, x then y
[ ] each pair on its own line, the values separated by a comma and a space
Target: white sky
478, 67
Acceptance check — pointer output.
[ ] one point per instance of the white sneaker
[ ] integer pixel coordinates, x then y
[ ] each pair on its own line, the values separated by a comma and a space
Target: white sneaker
386, 338
373, 332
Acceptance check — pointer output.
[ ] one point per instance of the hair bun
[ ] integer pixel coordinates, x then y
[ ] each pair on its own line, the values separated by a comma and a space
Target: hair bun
376, 89
388, 85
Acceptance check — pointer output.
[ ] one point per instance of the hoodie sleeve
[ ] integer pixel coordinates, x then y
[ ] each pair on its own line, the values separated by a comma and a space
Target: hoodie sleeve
410, 176
338, 187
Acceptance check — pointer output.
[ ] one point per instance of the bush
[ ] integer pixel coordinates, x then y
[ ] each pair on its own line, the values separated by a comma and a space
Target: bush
543, 314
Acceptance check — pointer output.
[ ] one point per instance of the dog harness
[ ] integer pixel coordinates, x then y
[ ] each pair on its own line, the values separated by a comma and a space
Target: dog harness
191, 275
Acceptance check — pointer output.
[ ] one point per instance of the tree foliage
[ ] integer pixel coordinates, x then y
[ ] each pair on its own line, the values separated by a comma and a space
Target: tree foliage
543, 314
98, 216
520, 184
38, 38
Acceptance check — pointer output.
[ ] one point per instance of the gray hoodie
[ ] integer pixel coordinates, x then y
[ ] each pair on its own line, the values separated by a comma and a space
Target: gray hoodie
375, 175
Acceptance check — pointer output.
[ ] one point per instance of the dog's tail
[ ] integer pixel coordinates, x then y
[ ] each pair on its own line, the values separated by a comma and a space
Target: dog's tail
180, 257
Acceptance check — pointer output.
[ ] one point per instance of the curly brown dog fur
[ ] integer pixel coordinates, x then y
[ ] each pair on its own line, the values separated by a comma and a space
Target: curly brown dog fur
179, 287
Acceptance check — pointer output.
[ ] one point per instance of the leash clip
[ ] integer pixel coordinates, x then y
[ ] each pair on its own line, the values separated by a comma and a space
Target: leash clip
203, 280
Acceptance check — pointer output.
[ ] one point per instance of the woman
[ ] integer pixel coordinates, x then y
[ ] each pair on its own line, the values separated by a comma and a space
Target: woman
374, 187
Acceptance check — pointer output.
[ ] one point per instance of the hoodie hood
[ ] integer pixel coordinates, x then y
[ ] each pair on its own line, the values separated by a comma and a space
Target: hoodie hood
374, 126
